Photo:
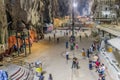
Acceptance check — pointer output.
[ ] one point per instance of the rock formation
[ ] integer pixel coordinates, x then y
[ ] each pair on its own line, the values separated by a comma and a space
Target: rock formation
33, 12
3, 23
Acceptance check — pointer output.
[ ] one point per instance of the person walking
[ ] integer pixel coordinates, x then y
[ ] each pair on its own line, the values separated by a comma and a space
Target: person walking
74, 63
80, 37
83, 53
76, 45
103, 68
57, 40
98, 47
41, 77
50, 77
66, 44
72, 47
77, 63
91, 49
54, 36
49, 38
67, 55
66, 33
88, 53
90, 65
93, 46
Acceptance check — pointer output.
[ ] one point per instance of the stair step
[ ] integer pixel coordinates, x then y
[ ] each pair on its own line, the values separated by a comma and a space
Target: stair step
18, 74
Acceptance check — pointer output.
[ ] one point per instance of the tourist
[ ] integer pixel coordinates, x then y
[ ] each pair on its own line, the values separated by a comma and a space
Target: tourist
103, 69
74, 63
66, 44
95, 58
80, 37
15, 47
38, 63
67, 55
76, 45
90, 64
83, 53
98, 47
57, 40
93, 46
103, 77
91, 49
67, 33
77, 63
88, 53
54, 36
72, 47
100, 72
41, 77
50, 77
49, 38
97, 64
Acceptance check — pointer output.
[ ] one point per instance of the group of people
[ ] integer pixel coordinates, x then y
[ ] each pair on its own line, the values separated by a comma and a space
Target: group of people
72, 45
95, 61
93, 47
100, 67
40, 72
41, 77
75, 63
54, 35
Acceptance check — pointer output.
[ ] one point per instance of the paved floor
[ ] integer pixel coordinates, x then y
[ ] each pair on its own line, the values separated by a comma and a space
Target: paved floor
52, 56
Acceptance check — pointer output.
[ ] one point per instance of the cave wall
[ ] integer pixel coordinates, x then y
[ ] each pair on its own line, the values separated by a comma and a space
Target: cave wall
3, 23
23, 10
34, 11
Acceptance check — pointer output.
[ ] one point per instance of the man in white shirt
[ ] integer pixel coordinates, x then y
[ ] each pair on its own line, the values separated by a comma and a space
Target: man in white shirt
67, 55
103, 68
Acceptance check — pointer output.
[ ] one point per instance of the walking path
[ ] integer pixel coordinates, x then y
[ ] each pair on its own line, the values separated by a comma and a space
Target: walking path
54, 61
52, 56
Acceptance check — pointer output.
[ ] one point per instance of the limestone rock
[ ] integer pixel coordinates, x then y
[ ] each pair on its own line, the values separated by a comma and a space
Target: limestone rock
3, 23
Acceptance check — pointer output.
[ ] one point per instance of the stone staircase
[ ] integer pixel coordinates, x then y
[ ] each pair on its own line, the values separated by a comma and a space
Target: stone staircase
19, 73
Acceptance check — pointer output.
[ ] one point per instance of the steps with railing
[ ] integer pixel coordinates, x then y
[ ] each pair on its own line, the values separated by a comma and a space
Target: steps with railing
16, 72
